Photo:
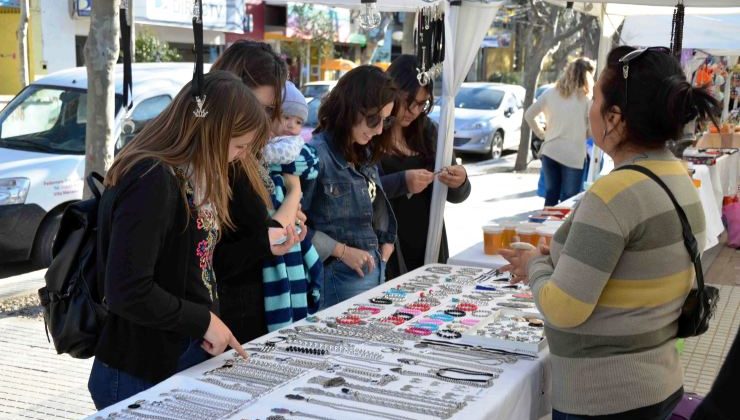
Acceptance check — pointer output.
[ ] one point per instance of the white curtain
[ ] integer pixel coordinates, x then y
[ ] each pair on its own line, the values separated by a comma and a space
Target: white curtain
465, 28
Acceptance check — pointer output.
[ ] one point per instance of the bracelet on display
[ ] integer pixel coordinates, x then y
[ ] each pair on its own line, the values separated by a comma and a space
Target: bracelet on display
350, 319
428, 326
441, 317
395, 320
421, 306
467, 307
403, 315
431, 321
413, 312
418, 331
482, 313
381, 301
469, 321
455, 312
448, 333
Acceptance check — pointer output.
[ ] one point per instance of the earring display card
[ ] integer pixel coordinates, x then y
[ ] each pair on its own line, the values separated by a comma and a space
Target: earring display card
512, 331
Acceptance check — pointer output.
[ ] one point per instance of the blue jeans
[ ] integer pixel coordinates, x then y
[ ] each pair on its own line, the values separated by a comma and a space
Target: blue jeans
660, 411
342, 283
108, 385
561, 182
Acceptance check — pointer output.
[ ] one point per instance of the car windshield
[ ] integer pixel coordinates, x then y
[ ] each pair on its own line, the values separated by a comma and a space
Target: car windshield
315, 91
47, 119
479, 98
313, 113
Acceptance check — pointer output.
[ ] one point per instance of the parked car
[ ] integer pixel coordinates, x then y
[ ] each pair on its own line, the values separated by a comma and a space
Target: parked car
488, 118
317, 89
312, 121
42, 149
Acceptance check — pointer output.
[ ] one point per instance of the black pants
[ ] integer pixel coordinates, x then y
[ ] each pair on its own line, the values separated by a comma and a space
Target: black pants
659, 411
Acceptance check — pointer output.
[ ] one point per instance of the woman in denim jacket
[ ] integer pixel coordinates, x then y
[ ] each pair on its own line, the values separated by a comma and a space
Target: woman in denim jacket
346, 206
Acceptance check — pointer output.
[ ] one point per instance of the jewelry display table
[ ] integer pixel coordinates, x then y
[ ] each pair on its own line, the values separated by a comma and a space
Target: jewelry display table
394, 352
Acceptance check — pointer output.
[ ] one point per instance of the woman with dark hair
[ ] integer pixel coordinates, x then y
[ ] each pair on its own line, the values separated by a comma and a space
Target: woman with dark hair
353, 222
239, 257
406, 170
613, 283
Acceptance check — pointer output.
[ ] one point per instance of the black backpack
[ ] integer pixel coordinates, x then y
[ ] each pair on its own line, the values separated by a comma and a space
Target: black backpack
74, 312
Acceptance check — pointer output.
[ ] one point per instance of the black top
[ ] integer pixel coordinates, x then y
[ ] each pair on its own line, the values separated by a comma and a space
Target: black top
148, 248
412, 212
238, 260
721, 402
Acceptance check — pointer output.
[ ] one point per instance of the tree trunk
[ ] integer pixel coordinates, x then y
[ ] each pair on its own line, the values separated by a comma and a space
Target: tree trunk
529, 81
407, 46
22, 35
101, 54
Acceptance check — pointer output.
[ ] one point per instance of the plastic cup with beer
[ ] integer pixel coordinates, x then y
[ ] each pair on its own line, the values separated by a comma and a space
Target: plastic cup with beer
492, 239
509, 233
526, 233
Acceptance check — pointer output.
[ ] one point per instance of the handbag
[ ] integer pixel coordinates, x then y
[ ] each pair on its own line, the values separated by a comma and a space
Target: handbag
700, 304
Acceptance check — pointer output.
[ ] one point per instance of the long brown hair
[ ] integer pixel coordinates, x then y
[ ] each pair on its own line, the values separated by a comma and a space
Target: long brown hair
257, 65
403, 72
179, 139
363, 91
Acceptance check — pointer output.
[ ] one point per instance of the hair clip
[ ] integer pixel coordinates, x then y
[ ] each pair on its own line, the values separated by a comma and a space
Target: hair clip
199, 102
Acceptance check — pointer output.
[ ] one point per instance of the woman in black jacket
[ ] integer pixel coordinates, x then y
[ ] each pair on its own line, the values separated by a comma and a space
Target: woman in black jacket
161, 215
407, 171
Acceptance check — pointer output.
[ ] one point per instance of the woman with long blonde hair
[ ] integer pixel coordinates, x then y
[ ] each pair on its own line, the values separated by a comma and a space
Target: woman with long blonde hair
166, 202
563, 153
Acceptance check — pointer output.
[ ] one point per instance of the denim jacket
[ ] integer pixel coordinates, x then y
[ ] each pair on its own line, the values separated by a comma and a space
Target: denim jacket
338, 205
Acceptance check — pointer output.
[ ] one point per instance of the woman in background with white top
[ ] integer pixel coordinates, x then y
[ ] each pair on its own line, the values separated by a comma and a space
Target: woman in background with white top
566, 114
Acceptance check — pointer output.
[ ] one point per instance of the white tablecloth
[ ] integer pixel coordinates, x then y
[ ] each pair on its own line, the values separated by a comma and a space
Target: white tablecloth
522, 391
474, 256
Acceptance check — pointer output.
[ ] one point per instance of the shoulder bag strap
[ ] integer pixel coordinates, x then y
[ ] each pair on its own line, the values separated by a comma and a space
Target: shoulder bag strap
688, 237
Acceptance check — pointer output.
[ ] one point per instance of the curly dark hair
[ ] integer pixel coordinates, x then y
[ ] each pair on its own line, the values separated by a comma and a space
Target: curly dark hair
657, 101
363, 91
257, 65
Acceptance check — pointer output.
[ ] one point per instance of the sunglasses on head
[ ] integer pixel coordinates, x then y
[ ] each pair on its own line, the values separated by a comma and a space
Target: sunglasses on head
632, 56
374, 120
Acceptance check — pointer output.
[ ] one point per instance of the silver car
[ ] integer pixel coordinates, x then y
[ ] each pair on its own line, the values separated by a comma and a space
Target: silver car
488, 118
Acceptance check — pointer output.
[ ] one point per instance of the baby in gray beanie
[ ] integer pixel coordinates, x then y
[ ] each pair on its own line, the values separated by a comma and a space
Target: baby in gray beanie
294, 110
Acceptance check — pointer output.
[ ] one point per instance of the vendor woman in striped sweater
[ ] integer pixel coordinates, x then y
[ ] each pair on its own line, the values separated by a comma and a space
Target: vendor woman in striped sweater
612, 285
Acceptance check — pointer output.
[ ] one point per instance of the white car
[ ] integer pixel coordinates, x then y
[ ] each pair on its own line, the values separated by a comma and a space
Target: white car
42, 149
318, 89
488, 118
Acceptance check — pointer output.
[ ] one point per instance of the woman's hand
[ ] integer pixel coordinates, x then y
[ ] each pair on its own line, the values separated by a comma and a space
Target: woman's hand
418, 179
276, 236
519, 260
386, 250
355, 259
453, 176
218, 337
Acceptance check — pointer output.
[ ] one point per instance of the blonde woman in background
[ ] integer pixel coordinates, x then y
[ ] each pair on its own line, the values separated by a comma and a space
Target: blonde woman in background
566, 115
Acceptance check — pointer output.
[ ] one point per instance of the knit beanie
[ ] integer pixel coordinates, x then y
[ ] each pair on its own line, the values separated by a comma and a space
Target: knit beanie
294, 104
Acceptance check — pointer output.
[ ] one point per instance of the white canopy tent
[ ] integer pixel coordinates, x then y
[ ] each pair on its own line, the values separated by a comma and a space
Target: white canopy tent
466, 24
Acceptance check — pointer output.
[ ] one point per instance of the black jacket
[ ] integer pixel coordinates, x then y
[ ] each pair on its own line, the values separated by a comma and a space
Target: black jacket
146, 248
238, 260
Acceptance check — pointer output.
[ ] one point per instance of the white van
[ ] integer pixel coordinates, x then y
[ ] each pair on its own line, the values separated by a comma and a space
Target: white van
42, 149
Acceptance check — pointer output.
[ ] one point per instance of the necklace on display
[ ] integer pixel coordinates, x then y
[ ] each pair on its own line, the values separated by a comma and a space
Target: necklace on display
347, 408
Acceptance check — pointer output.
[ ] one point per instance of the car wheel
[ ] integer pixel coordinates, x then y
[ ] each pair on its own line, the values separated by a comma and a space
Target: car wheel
497, 145
44, 242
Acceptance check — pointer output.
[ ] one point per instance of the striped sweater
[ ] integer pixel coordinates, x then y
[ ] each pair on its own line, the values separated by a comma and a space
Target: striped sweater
612, 289
292, 282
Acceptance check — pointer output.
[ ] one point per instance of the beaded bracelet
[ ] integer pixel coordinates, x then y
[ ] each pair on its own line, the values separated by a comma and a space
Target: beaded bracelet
431, 321
396, 320
418, 331
348, 320
455, 312
381, 301
467, 307
413, 312
371, 309
441, 317
430, 327
403, 315
447, 333
469, 321
419, 306
482, 313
